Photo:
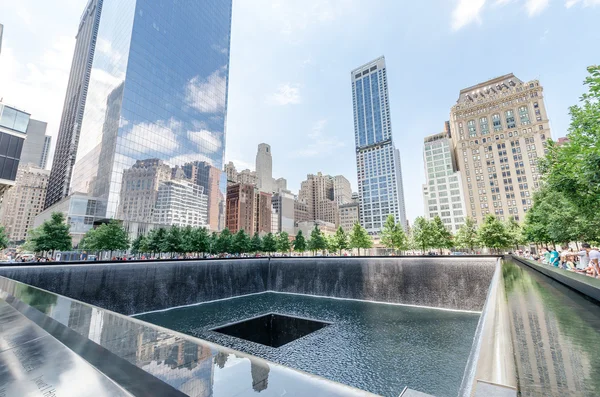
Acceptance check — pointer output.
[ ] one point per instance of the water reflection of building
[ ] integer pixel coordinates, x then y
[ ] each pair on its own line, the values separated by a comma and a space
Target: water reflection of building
180, 202
260, 375
144, 50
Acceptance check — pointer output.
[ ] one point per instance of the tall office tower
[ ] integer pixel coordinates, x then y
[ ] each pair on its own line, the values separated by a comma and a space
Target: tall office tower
174, 51
13, 128
74, 105
264, 168
301, 213
279, 184
442, 191
45, 151
342, 191
240, 210
37, 144
24, 201
499, 130
317, 191
377, 160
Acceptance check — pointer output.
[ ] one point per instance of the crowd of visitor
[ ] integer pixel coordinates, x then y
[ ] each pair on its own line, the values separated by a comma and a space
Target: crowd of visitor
585, 261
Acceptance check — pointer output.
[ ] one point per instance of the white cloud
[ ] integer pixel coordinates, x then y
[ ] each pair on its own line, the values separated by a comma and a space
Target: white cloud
466, 12
205, 139
291, 17
208, 95
287, 94
584, 3
159, 136
319, 143
181, 159
534, 7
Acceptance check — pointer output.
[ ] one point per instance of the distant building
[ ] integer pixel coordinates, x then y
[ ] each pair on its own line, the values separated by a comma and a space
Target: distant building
230, 173
301, 213
342, 191
355, 197
264, 168
209, 177
379, 172
499, 131
240, 209
263, 213
327, 228
13, 129
24, 201
279, 184
562, 141
318, 192
182, 203
349, 215
37, 144
284, 207
247, 177
442, 192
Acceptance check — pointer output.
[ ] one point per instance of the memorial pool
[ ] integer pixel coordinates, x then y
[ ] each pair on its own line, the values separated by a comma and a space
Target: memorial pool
376, 347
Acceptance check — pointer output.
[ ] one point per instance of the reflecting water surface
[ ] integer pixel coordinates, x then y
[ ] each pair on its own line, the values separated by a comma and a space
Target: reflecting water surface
376, 347
556, 335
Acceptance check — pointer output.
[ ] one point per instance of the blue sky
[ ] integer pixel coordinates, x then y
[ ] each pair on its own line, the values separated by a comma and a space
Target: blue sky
291, 60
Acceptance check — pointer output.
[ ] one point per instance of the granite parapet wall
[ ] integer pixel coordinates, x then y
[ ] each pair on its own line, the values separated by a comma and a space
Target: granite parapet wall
137, 287
444, 282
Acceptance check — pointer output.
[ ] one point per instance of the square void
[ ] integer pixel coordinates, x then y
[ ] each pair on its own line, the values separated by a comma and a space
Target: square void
272, 329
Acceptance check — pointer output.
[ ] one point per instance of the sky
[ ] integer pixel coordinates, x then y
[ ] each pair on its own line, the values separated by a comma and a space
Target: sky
289, 79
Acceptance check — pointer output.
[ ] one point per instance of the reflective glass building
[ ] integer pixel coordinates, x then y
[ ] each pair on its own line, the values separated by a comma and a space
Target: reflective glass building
377, 160
157, 91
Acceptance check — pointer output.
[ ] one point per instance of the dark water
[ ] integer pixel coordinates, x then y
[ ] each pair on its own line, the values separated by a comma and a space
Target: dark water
556, 335
376, 347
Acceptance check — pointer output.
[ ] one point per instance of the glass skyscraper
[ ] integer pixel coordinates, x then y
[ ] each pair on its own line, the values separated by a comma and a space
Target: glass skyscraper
157, 91
377, 160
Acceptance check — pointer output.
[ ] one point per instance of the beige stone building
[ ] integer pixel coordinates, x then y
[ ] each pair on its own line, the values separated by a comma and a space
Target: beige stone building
342, 191
499, 130
349, 215
318, 192
24, 201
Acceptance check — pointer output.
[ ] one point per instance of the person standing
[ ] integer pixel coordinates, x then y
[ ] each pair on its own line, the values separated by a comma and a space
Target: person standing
554, 257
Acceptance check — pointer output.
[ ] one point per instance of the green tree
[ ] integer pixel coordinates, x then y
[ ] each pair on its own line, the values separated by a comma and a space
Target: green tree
173, 242
241, 242
256, 245
213, 243
111, 237
187, 238
317, 241
422, 234
30, 244
515, 232
139, 244
440, 236
269, 244
224, 242
359, 238
392, 234
3, 238
157, 240
466, 236
340, 240
493, 234
54, 235
300, 242
283, 242
200, 240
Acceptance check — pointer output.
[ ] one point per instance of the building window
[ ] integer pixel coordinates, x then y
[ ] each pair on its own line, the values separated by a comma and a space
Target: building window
524, 115
472, 128
496, 122
483, 126
510, 119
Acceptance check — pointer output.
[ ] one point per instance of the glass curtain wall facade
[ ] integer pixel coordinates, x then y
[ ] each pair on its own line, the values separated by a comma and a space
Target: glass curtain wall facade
158, 90
377, 159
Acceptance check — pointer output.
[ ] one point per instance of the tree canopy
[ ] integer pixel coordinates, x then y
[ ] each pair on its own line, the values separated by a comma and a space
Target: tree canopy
339, 241
317, 241
392, 234
466, 236
360, 238
300, 242
493, 233
283, 242
53, 235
